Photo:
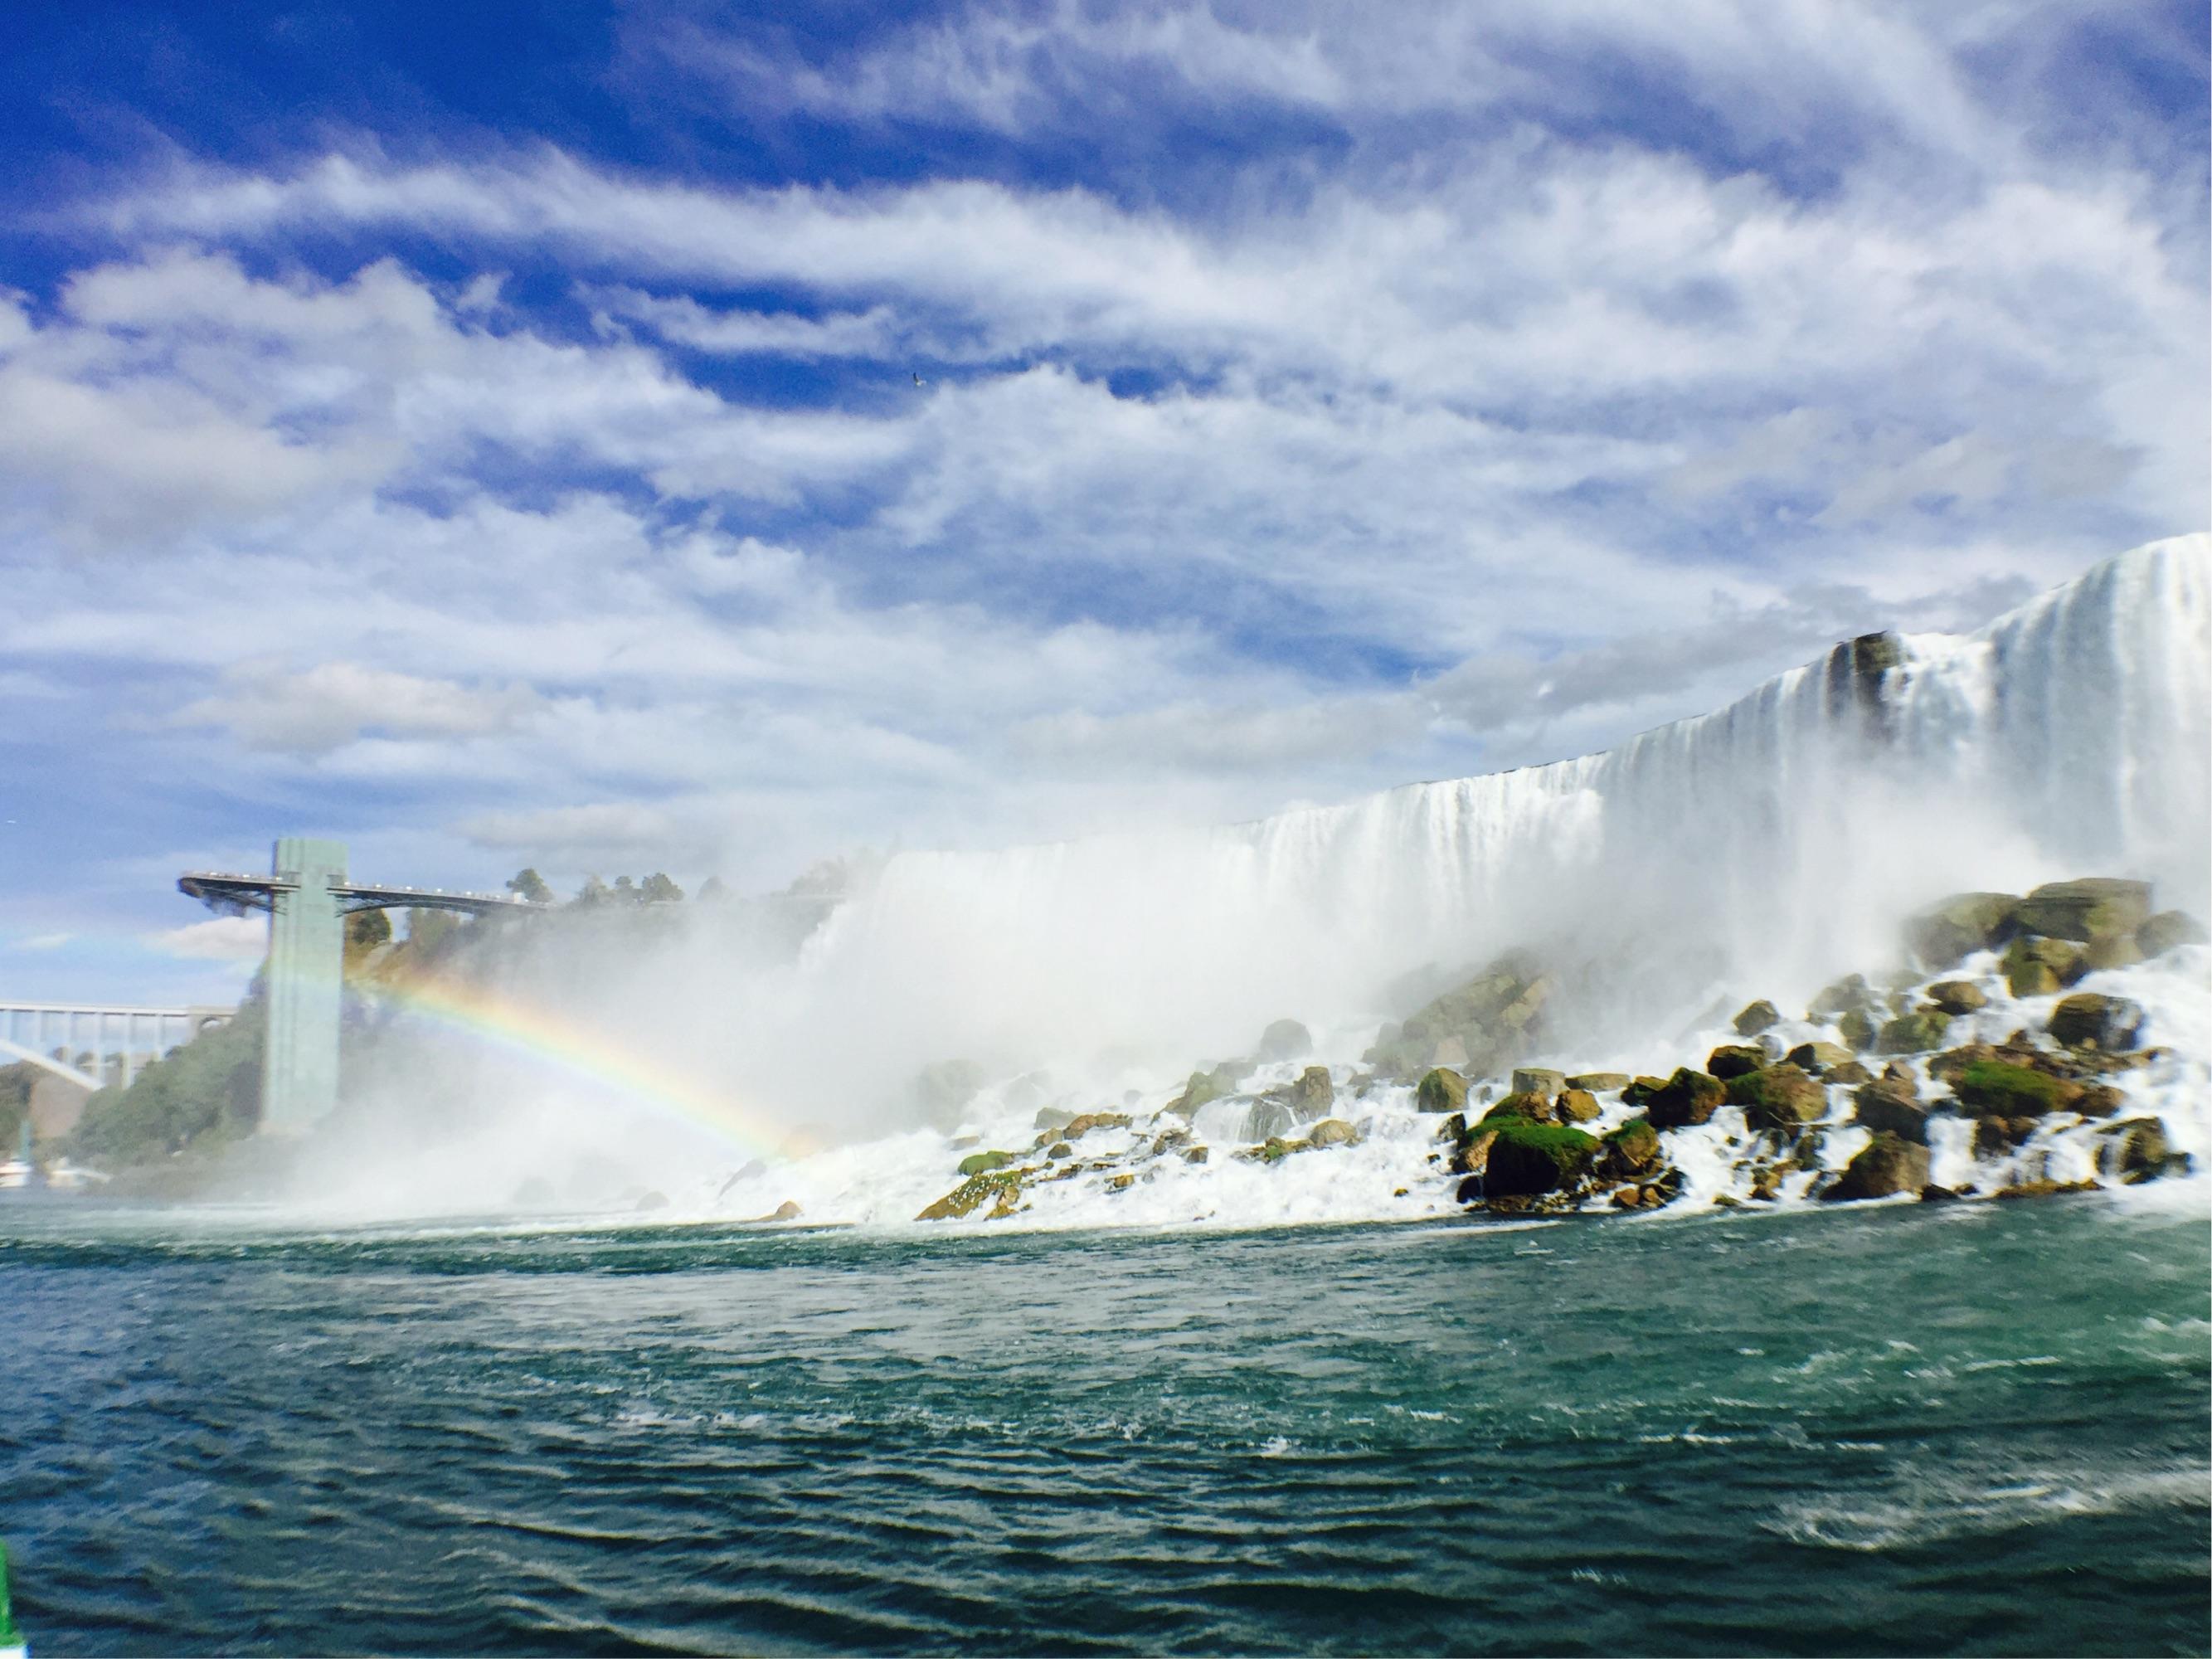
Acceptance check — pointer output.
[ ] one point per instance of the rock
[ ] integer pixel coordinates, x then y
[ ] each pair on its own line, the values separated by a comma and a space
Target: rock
1201, 1088
1856, 1028
944, 1089
1058, 1149
1761, 1016
1196, 1154
2084, 909
1685, 1099
2113, 1024
1119, 1183
2135, 1151
1051, 1117
1530, 1107
1266, 1120
2167, 929
1451, 1052
1528, 1158
2101, 1100
1996, 1088
1886, 1106
1995, 1137
1453, 1128
979, 1162
997, 1187
1931, 1193
1312, 1095
1599, 1083
1332, 1132
1627, 1198
2111, 951
653, 1201
1735, 1060
1850, 1073
1575, 1106
1472, 1156
1538, 1080
1888, 1166
2047, 1188
1441, 1090
2038, 967
1638, 1093
1076, 1128
1947, 934
1779, 1097
1169, 1140
1958, 996
1633, 1149
1817, 1057
1851, 992
1285, 1040
1914, 1034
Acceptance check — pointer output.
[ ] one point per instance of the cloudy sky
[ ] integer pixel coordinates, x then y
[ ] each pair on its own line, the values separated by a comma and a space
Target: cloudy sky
710, 438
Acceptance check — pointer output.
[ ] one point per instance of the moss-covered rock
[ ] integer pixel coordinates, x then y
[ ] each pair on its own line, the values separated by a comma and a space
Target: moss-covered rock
1733, 1060
1914, 1033
1994, 1088
1601, 1083
1441, 1090
1685, 1099
2038, 966
1638, 1093
981, 1163
1887, 1106
2086, 1018
1757, 1017
1631, 1149
1528, 1158
1945, 934
1471, 1155
1778, 1097
1575, 1106
1958, 996
1856, 1028
997, 1188
1531, 1108
1888, 1166
2084, 909
2167, 929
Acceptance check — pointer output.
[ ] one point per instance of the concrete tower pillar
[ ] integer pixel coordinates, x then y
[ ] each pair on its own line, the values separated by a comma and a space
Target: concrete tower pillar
306, 940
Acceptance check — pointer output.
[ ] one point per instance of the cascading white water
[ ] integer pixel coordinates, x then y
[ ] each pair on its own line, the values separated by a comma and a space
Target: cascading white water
1760, 849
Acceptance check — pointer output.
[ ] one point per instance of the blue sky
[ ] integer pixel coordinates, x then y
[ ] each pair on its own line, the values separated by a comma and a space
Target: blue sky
491, 435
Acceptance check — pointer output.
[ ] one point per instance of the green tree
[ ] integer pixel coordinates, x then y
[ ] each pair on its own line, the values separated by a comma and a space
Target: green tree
427, 929
625, 891
660, 889
593, 892
530, 887
367, 929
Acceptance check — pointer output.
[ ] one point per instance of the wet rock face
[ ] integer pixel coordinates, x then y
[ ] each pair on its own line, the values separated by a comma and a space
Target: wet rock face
1631, 1149
1857, 1027
1331, 1132
1528, 1158
1817, 1059
1734, 1061
1958, 996
1684, 1098
1761, 1016
1887, 1106
1945, 934
2137, 1150
1887, 1166
1442, 1090
1481, 1026
2086, 910
2112, 1024
2039, 967
1914, 1034
1778, 1097
1312, 1095
1575, 1106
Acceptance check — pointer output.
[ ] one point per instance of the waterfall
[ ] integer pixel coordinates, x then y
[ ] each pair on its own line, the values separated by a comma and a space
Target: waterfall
1758, 849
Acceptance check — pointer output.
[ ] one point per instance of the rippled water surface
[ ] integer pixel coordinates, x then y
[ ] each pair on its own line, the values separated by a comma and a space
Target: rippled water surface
1968, 1427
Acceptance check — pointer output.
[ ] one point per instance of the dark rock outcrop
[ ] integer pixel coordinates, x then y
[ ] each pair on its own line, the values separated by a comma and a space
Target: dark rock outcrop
2086, 1018
1538, 1080
1312, 1095
1684, 1098
1887, 1166
1779, 1097
1818, 1059
1958, 996
2039, 967
1441, 1090
1914, 1033
1528, 1158
1761, 1016
1886, 1106
1631, 1149
1733, 1060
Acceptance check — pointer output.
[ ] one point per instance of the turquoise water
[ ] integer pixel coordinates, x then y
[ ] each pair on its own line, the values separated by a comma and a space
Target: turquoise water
1964, 1427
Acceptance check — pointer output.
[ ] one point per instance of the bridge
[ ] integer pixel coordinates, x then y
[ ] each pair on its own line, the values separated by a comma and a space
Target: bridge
308, 897
93, 1045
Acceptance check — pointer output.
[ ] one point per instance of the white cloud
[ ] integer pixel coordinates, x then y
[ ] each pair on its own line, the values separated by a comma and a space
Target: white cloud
219, 939
315, 710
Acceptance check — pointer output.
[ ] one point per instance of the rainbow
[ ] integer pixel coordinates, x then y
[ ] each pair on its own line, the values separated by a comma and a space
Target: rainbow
537, 1036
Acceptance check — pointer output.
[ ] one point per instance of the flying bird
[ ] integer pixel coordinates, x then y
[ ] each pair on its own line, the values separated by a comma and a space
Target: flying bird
918, 380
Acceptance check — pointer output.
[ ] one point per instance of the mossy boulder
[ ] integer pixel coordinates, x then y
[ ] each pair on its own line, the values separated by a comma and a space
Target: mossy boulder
1958, 996
997, 1188
1945, 934
1818, 1059
1471, 1155
1601, 1083
1996, 1088
1856, 1028
1685, 1099
1332, 1132
1575, 1106
1735, 1060
1530, 1108
1887, 1166
1847, 993
1638, 1093
1778, 1097
1312, 1095
1889, 1107
1441, 1090
2167, 929
1914, 1033
1528, 1158
2089, 1018
2085, 909
1631, 1149
1757, 1017
981, 1163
